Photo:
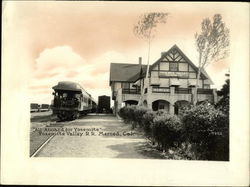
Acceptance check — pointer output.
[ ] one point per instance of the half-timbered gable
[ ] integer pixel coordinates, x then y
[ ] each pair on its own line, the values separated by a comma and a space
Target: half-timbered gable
176, 67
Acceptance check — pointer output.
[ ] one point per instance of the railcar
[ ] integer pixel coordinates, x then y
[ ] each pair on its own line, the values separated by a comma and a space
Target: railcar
70, 100
34, 107
44, 107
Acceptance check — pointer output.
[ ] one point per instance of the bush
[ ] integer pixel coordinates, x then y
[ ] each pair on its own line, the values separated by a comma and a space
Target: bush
161, 112
147, 121
203, 129
139, 113
167, 130
131, 113
127, 113
121, 112
207, 128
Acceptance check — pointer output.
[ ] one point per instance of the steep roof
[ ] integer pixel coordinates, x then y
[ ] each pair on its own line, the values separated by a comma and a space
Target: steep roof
125, 72
203, 72
132, 72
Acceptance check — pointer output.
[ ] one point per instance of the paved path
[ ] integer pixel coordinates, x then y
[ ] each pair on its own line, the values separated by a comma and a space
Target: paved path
110, 138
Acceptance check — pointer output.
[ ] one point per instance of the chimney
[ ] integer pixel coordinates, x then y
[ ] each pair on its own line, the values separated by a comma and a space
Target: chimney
140, 60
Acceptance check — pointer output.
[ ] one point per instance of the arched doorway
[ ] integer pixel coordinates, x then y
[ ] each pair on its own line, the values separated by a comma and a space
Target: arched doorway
179, 105
130, 102
160, 105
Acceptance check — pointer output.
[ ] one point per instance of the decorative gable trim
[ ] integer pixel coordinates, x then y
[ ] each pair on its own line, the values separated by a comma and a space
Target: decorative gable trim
175, 54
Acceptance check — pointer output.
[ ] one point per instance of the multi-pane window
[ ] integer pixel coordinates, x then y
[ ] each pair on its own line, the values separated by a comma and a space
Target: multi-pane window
173, 66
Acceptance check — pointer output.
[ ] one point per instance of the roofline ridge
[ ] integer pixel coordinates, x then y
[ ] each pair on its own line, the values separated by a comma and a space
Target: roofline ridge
182, 53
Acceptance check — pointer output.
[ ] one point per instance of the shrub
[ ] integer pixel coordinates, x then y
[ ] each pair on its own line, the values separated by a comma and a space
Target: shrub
207, 128
127, 113
139, 113
147, 121
121, 112
131, 113
161, 112
167, 130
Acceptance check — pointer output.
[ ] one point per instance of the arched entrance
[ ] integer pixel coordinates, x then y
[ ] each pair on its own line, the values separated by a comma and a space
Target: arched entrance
160, 105
179, 105
130, 102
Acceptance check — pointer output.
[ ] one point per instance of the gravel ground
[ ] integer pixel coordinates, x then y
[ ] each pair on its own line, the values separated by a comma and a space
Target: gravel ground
110, 138
42, 117
36, 141
39, 120
46, 113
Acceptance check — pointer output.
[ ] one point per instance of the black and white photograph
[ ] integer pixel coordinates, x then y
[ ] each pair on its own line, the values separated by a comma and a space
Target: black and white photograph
136, 88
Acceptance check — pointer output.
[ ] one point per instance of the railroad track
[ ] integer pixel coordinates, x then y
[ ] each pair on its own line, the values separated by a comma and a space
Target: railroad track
38, 142
41, 146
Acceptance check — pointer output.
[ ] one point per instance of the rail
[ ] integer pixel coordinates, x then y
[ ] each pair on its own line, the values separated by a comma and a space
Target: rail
183, 90
204, 91
130, 91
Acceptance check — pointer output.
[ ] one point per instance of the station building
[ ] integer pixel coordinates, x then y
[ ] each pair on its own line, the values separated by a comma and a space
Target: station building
172, 80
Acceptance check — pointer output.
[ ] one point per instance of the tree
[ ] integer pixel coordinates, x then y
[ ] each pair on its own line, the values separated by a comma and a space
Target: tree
223, 103
212, 44
145, 29
225, 88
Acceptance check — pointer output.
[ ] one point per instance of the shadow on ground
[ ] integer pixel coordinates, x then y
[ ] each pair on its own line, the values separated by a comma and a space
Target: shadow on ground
136, 150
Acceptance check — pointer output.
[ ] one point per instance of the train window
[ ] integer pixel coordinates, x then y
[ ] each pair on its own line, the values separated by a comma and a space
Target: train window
77, 95
65, 95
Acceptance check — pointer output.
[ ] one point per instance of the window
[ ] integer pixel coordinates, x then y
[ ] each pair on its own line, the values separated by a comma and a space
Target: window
173, 66
206, 86
125, 85
65, 95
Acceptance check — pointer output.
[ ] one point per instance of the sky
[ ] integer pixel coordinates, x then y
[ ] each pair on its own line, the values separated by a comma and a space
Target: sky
77, 41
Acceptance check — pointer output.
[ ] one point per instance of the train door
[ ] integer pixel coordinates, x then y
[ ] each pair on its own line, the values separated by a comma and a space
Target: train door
80, 97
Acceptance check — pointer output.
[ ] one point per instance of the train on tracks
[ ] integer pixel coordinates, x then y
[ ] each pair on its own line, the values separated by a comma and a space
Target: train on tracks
71, 100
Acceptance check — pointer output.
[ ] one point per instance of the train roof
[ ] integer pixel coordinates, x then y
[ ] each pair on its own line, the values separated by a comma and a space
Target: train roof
69, 86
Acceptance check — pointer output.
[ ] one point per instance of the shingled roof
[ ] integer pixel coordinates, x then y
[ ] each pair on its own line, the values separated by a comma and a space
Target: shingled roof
126, 72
